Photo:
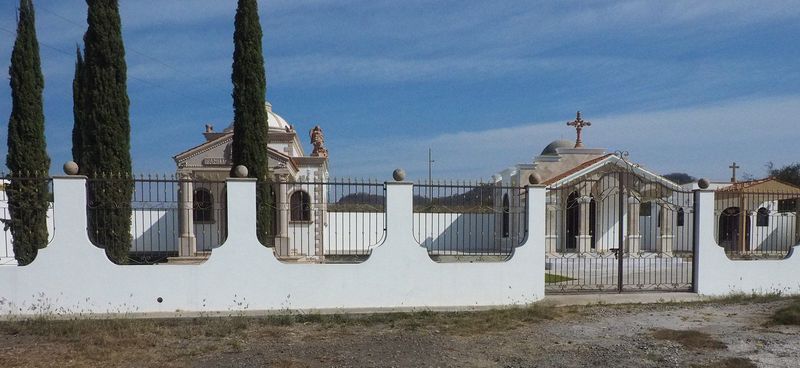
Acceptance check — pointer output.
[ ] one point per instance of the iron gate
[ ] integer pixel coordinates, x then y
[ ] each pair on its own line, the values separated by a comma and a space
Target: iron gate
619, 228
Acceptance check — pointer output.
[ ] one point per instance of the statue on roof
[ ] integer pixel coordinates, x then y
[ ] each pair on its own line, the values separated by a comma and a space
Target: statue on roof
318, 141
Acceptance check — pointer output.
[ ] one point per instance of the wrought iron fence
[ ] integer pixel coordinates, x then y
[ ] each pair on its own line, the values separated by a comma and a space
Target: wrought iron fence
619, 229
173, 219
32, 206
460, 221
339, 221
757, 225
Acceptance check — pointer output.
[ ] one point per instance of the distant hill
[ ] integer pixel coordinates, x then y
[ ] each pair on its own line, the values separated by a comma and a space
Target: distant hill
480, 198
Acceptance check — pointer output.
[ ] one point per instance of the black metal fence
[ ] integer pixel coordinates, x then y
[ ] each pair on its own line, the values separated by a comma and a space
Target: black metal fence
619, 230
757, 225
338, 221
32, 207
169, 216
460, 221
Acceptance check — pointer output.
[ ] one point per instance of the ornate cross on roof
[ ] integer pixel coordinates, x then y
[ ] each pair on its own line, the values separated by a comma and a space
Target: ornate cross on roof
734, 167
579, 124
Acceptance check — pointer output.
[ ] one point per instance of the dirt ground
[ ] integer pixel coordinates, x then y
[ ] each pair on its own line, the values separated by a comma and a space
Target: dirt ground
710, 334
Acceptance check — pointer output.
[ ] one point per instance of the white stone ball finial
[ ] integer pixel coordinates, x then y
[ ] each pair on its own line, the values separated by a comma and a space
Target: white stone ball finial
240, 171
399, 175
70, 168
535, 179
703, 183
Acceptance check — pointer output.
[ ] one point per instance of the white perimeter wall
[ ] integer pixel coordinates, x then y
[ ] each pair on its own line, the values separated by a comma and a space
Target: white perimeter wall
716, 274
72, 276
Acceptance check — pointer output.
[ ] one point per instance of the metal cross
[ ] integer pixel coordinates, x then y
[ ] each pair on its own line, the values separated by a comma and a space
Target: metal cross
579, 124
734, 167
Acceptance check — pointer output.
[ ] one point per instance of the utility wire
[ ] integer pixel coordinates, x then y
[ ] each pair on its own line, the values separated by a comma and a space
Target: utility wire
83, 26
151, 58
153, 84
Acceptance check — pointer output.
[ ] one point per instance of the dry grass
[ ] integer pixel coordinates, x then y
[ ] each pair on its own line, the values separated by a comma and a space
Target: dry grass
117, 342
690, 339
744, 298
173, 342
789, 315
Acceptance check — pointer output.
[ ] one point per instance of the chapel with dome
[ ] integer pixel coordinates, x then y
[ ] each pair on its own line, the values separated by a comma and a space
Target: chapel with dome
211, 161
583, 200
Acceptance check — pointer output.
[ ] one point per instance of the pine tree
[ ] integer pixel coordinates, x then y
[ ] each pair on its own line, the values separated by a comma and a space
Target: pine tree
27, 158
78, 88
249, 147
105, 128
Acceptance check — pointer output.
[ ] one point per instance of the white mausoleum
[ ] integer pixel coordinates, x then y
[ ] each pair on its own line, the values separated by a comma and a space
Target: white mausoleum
211, 161
583, 213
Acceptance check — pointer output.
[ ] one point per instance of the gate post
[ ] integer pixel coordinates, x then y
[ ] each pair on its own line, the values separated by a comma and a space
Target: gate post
703, 228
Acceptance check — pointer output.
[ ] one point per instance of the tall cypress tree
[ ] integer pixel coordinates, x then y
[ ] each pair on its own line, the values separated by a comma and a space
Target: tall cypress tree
249, 147
78, 88
105, 129
27, 152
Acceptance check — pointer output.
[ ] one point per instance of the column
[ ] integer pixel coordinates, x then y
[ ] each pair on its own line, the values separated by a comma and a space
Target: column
797, 220
281, 235
665, 236
553, 222
633, 244
584, 235
187, 243
317, 216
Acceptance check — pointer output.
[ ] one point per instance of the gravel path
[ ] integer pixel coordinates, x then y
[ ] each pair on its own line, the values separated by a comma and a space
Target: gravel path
655, 335
618, 336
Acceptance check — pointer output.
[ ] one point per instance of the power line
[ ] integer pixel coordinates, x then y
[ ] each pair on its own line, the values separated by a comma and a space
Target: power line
151, 58
132, 50
41, 44
175, 91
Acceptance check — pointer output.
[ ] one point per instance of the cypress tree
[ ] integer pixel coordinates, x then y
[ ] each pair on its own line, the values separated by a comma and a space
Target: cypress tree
78, 87
249, 147
105, 127
27, 153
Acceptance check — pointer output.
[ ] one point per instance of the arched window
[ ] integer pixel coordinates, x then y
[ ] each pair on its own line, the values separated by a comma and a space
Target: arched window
506, 216
300, 206
680, 218
762, 218
203, 206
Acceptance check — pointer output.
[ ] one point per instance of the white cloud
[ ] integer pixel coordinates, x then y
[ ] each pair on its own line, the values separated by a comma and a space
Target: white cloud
702, 141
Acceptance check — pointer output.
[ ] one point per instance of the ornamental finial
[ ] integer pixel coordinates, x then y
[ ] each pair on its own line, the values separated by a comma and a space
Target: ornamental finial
579, 124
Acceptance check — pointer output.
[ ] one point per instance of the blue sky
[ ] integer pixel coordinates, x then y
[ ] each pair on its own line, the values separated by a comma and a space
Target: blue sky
683, 85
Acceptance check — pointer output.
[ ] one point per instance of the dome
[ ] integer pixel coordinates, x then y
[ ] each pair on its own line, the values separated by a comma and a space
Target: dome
550, 150
274, 121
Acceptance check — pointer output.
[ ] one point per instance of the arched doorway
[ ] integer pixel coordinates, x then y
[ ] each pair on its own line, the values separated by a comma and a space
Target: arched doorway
728, 232
572, 223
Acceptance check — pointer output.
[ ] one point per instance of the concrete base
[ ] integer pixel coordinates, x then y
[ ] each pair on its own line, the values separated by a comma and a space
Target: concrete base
187, 246
621, 298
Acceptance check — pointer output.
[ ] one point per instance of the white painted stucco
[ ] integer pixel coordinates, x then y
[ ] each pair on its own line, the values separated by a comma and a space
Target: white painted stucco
72, 276
718, 275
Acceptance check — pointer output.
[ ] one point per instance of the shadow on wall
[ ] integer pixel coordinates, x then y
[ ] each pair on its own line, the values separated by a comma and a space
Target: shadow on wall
457, 234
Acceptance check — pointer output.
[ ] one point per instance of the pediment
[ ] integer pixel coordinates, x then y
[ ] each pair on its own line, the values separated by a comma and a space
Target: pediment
217, 154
